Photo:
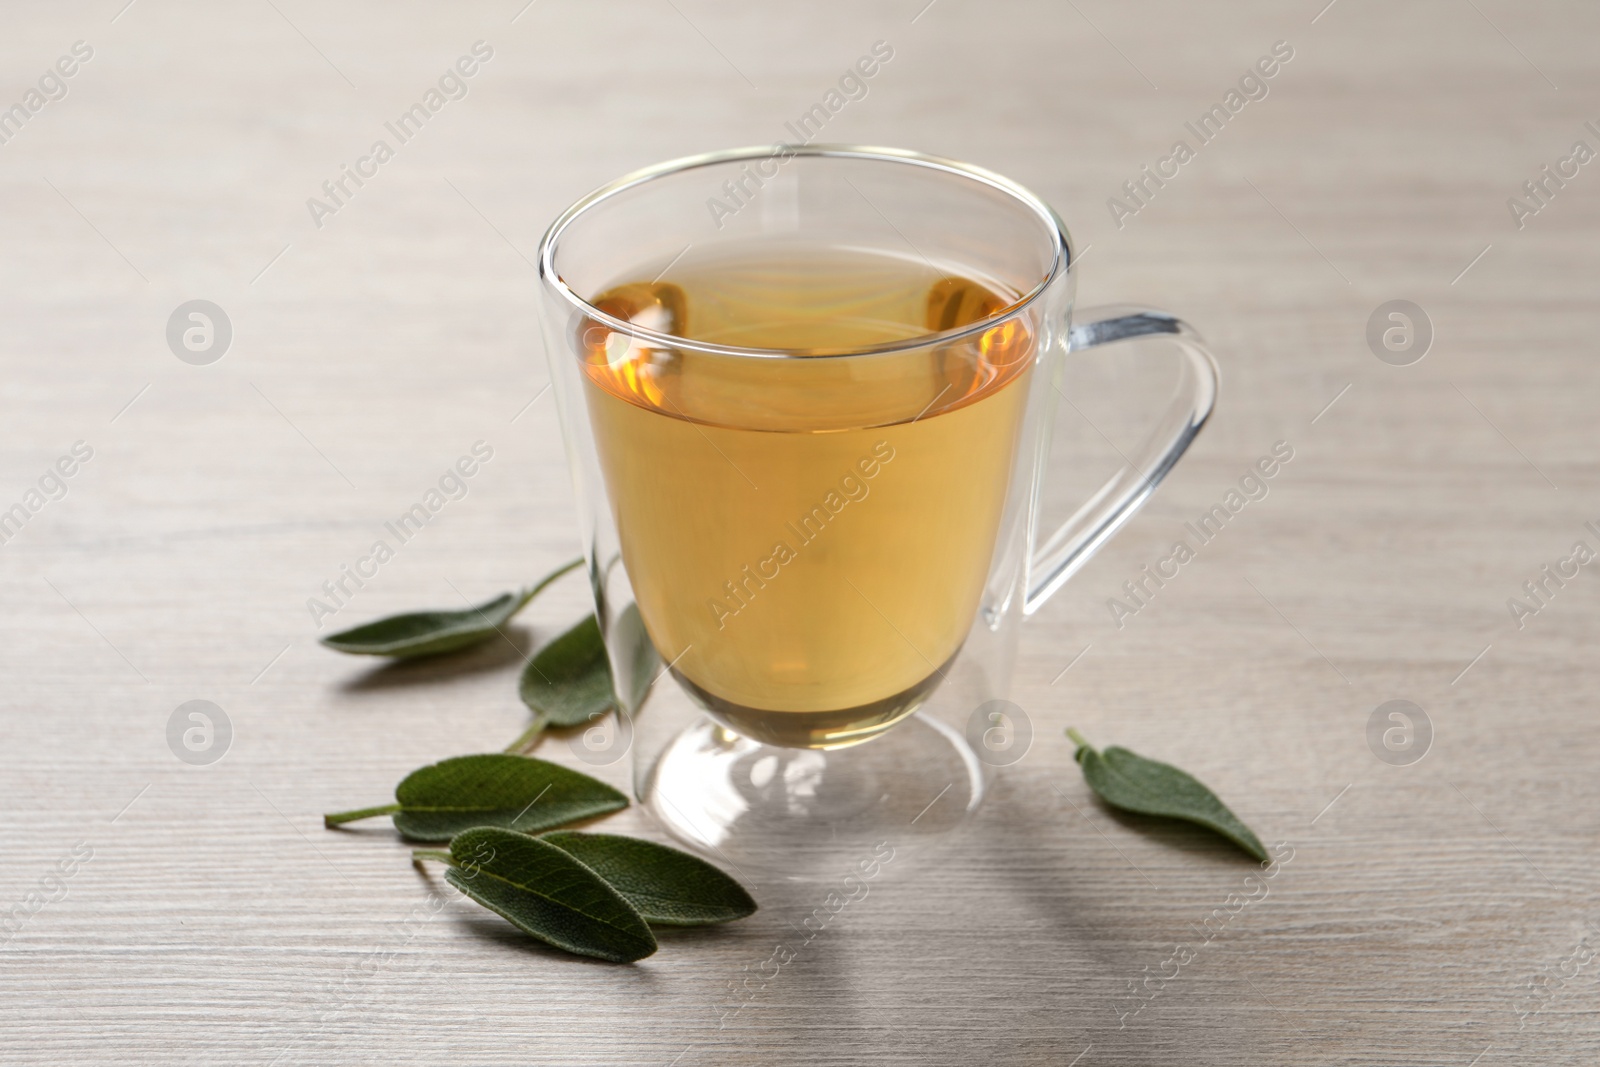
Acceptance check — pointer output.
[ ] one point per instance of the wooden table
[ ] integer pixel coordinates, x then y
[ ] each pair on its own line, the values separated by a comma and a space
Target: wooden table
1441, 912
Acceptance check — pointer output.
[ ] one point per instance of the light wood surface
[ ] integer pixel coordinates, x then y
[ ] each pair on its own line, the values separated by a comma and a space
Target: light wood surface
217, 921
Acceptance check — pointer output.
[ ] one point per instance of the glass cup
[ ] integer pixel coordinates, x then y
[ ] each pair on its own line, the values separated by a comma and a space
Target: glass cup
810, 565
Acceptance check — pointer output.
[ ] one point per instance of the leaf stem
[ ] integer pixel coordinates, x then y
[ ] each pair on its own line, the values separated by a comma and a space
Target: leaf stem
360, 813
529, 594
1078, 739
529, 736
420, 854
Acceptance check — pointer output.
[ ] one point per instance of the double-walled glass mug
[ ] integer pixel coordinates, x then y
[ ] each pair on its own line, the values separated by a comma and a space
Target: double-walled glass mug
806, 394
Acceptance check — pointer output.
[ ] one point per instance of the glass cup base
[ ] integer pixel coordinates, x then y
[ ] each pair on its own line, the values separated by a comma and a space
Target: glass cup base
815, 729
804, 815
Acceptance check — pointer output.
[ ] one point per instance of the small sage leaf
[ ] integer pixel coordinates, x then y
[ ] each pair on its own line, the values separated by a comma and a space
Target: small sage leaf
1128, 781
429, 633
568, 681
546, 892
440, 800
666, 886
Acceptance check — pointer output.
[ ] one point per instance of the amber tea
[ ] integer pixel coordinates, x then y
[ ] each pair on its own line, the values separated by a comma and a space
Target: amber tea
807, 535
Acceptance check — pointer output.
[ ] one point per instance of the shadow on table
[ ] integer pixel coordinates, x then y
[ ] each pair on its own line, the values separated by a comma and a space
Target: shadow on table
513, 646
1113, 898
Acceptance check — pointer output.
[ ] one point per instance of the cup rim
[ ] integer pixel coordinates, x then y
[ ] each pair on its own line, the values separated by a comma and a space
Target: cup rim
1061, 261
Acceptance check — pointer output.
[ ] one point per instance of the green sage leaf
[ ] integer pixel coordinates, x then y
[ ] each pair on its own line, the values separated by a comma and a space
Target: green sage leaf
430, 633
546, 892
635, 649
568, 681
1128, 781
516, 792
667, 886
440, 800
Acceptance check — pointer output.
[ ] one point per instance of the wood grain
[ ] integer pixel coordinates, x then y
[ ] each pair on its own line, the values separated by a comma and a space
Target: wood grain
217, 920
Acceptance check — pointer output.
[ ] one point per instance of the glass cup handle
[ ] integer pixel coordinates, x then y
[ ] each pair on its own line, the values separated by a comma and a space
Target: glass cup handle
1070, 546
